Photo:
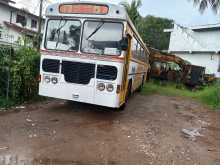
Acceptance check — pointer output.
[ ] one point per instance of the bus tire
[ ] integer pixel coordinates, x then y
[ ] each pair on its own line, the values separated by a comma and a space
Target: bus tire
122, 107
142, 85
128, 95
129, 91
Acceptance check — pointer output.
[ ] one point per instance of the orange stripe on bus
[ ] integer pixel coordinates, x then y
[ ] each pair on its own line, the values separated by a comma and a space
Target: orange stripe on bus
84, 56
139, 62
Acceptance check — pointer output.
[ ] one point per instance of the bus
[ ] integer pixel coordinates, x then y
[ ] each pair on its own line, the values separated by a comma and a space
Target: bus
91, 53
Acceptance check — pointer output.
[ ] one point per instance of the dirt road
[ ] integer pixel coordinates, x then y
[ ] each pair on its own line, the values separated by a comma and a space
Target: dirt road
149, 131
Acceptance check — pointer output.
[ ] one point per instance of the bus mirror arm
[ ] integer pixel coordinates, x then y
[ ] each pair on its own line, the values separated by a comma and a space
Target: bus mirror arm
124, 44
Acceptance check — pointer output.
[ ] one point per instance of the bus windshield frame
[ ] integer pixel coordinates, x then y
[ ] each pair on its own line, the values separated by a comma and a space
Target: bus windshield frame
113, 48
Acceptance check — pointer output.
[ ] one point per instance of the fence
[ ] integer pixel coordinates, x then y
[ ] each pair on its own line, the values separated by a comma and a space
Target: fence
5, 82
6, 52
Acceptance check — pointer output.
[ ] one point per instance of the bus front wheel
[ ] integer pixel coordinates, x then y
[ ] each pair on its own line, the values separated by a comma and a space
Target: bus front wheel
128, 94
142, 85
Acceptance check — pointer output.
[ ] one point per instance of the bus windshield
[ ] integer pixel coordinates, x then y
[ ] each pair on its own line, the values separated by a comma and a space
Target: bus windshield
102, 38
63, 35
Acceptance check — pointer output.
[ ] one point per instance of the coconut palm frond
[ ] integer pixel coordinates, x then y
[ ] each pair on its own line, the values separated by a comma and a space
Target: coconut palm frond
132, 9
215, 4
203, 4
125, 4
136, 3
196, 2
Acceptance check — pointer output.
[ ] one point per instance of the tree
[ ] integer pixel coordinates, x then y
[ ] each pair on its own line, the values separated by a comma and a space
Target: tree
151, 30
203, 4
150, 27
132, 10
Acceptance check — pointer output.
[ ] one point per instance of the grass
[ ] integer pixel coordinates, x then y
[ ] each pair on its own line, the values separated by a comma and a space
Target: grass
209, 95
5, 103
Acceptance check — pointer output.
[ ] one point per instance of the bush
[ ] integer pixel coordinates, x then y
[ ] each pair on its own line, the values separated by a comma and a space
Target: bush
6, 103
24, 72
23, 66
211, 96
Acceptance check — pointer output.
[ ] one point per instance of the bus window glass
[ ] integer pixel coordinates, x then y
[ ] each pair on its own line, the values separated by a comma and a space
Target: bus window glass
139, 50
102, 38
63, 35
142, 53
143, 56
137, 46
134, 47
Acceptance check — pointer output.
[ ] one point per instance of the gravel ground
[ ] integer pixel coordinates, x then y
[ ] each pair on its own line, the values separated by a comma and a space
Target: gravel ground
149, 131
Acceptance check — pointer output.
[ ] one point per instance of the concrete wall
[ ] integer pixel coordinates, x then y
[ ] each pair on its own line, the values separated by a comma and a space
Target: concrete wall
4, 14
210, 61
7, 35
185, 39
29, 19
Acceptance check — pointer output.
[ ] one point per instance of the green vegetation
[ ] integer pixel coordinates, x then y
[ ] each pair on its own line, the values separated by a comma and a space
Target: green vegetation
132, 10
151, 30
150, 27
6, 103
20, 67
209, 95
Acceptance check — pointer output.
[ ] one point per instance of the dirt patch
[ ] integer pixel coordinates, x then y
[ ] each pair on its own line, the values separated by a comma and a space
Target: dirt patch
147, 132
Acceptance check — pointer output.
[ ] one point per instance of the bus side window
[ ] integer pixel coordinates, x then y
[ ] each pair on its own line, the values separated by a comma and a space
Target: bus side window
139, 52
144, 58
136, 52
134, 48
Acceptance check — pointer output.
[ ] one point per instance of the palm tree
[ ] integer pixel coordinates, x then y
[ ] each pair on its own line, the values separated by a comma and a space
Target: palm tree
132, 10
203, 4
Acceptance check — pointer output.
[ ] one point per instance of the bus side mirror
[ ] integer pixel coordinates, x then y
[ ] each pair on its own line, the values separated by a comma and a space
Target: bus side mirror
124, 44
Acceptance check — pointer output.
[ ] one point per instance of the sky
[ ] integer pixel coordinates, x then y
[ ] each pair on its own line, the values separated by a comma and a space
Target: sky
181, 11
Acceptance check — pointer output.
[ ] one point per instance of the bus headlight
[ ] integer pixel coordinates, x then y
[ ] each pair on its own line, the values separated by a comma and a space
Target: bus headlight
101, 86
110, 88
47, 79
54, 80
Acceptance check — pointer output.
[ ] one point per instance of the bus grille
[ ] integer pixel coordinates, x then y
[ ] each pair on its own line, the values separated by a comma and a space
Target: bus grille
105, 72
78, 73
52, 66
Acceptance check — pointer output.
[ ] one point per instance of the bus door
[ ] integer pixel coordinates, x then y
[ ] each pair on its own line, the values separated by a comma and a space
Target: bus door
125, 72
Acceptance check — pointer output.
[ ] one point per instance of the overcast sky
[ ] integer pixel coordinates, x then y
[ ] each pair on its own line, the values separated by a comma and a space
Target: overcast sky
181, 11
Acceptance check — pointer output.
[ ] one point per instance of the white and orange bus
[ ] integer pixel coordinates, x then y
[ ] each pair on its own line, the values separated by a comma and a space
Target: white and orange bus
91, 53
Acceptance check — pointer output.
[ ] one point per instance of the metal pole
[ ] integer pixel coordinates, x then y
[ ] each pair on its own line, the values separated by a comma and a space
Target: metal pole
39, 25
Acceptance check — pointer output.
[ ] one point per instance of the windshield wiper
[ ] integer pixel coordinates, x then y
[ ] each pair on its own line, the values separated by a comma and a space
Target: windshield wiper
96, 30
58, 31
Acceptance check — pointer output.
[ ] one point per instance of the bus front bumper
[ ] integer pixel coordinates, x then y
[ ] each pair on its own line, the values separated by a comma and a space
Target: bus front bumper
80, 93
